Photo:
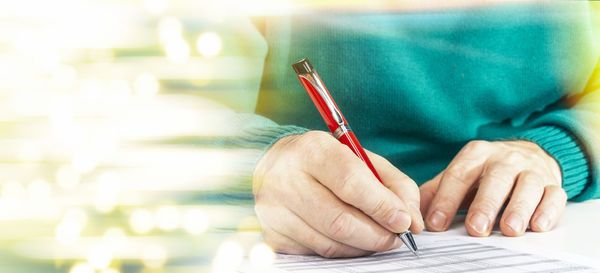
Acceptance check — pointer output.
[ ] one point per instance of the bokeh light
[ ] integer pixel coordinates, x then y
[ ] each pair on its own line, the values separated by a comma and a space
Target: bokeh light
168, 218
229, 257
209, 44
68, 231
261, 256
82, 268
99, 256
112, 112
169, 29
195, 221
177, 50
141, 221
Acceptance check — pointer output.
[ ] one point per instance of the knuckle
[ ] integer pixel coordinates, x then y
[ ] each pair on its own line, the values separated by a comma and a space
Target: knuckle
498, 176
486, 204
532, 180
312, 138
380, 211
382, 243
476, 145
457, 174
514, 157
329, 251
345, 185
314, 145
341, 226
562, 194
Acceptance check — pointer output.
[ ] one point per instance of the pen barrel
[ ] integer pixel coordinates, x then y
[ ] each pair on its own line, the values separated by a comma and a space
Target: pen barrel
320, 103
350, 140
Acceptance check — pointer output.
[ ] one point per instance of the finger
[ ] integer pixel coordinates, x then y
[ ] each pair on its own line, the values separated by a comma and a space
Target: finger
523, 201
549, 210
495, 186
427, 192
336, 219
402, 186
289, 224
336, 167
456, 181
283, 244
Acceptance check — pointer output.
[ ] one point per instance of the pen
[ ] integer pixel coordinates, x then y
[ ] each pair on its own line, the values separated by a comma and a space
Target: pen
338, 125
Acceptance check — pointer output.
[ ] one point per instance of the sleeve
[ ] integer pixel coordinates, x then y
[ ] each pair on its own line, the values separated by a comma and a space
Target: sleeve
572, 136
570, 130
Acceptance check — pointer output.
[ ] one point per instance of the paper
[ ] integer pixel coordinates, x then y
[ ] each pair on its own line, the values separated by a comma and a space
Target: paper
439, 253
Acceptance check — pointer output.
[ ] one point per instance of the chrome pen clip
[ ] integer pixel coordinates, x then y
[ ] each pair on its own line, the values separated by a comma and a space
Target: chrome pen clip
318, 85
305, 70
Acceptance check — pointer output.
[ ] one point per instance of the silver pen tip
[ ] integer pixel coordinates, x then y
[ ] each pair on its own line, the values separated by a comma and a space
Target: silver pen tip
409, 242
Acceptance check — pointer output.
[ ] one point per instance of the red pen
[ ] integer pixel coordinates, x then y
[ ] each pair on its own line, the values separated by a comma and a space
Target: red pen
337, 123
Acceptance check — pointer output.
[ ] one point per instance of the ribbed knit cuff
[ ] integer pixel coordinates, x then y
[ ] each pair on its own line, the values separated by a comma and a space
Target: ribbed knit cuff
563, 147
265, 137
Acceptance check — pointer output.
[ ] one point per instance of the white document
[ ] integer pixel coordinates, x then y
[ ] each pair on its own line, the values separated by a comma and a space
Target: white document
443, 253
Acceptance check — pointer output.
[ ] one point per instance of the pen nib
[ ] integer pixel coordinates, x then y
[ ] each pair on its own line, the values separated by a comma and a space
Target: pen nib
409, 242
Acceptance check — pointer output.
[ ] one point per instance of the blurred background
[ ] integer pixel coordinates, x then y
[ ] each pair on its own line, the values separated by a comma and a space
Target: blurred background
117, 133
110, 112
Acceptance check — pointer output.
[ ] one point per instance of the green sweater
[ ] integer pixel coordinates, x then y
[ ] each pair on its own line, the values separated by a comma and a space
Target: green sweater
417, 86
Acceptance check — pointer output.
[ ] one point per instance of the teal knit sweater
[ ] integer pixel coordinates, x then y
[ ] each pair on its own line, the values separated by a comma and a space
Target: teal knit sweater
417, 86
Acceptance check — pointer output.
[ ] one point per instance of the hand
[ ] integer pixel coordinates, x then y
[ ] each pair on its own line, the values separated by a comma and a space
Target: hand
313, 195
494, 172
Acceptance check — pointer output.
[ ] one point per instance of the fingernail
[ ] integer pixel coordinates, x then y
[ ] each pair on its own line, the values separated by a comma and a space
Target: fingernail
479, 222
543, 221
399, 221
515, 222
437, 220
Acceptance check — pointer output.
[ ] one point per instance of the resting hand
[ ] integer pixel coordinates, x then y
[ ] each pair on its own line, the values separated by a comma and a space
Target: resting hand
494, 172
313, 195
